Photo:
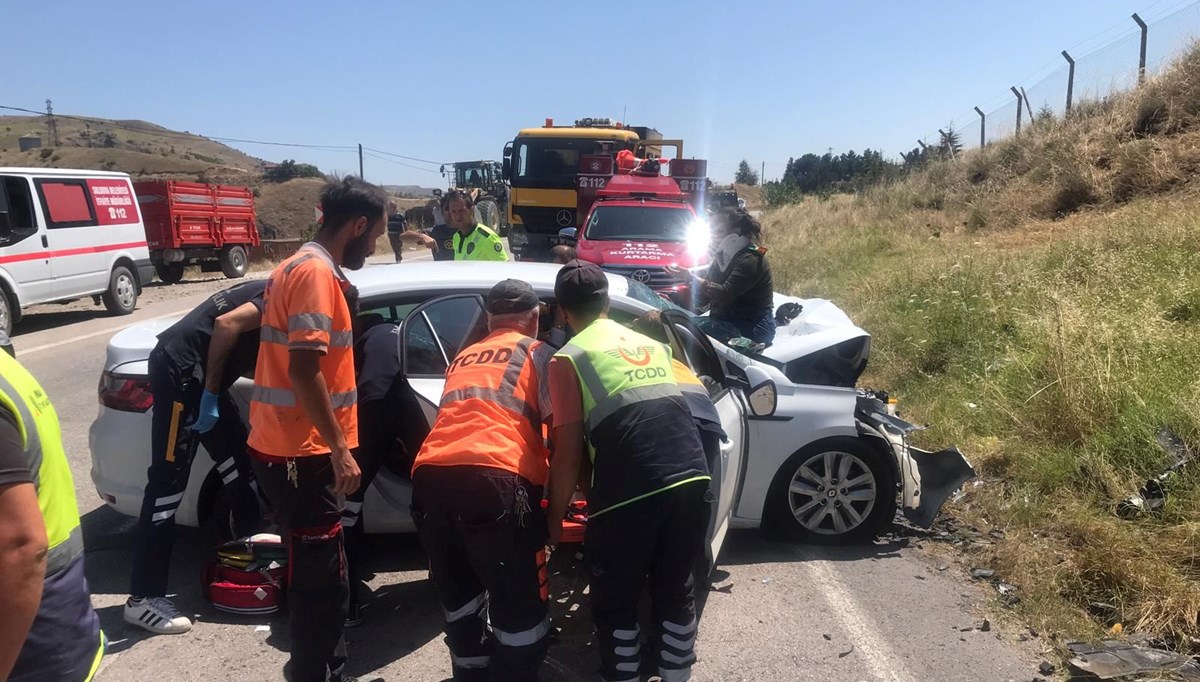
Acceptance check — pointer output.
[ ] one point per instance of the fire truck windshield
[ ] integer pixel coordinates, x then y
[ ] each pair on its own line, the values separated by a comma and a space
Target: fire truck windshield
551, 163
670, 223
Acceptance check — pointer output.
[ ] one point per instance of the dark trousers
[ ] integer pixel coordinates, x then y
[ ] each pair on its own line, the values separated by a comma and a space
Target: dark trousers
397, 245
484, 532
173, 445
310, 518
655, 540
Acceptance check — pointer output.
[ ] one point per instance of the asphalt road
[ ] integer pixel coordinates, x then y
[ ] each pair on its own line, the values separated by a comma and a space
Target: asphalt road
777, 611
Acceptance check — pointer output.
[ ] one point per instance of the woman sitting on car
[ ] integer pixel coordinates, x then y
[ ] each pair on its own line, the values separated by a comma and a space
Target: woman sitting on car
737, 287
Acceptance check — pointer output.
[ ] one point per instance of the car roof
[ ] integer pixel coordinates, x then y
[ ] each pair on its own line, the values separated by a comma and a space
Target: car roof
463, 275
62, 171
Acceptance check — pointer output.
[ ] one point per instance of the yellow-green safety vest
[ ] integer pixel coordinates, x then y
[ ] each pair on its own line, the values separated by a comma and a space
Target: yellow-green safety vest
482, 243
41, 437
618, 367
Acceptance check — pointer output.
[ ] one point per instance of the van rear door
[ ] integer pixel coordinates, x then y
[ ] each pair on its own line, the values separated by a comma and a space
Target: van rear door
24, 250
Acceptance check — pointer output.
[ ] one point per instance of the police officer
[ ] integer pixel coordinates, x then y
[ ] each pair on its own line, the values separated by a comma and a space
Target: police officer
48, 630
614, 393
396, 222
391, 429
477, 487
471, 240
192, 367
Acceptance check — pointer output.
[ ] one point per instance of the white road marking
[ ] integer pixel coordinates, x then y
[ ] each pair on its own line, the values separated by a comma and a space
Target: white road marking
868, 643
25, 352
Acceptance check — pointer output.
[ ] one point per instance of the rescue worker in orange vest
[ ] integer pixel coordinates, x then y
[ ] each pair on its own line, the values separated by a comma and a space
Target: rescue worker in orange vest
477, 491
304, 418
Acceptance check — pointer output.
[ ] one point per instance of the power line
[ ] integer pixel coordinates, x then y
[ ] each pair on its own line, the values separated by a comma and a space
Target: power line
398, 163
409, 158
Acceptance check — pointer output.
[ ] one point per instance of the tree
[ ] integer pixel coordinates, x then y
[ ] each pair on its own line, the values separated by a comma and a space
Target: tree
290, 169
746, 175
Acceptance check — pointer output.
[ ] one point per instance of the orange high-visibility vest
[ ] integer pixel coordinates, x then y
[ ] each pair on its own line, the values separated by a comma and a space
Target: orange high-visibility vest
304, 308
489, 415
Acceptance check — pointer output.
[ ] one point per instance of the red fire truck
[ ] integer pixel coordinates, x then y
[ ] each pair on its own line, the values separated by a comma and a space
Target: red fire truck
639, 221
191, 223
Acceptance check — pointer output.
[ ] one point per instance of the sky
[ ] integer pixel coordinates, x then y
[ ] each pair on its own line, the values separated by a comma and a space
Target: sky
756, 80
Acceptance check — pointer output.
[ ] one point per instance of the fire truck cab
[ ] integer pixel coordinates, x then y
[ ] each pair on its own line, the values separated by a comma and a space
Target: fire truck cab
638, 221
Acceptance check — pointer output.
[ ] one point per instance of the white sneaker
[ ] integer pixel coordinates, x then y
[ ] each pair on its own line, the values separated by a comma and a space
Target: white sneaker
156, 614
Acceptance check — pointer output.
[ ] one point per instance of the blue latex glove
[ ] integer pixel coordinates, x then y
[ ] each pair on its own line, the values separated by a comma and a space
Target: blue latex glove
207, 418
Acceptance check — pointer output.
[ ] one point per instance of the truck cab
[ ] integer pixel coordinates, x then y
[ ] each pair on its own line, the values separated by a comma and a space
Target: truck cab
541, 165
638, 221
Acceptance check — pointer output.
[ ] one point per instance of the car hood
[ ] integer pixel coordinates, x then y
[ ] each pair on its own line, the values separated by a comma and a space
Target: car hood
133, 344
634, 252
820, 325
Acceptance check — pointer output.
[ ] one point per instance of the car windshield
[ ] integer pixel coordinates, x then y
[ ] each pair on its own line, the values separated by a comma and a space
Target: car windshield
648, 223
551, 163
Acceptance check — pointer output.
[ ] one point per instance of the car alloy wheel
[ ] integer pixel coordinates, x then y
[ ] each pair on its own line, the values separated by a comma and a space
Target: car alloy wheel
832, 493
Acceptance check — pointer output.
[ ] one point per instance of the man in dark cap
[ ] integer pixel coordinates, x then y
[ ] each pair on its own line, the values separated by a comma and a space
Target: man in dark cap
477, 486
615, 395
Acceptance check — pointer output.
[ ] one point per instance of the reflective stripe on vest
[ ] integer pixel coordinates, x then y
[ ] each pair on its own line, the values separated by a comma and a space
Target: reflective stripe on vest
613, 376
40, 431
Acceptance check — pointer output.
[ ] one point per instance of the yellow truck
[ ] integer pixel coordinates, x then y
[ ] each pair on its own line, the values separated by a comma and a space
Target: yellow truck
541, 166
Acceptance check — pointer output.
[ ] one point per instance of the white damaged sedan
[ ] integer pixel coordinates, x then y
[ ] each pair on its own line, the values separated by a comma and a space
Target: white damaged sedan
808, 454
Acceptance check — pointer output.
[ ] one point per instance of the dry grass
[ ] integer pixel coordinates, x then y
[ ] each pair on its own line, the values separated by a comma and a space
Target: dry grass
1039, 303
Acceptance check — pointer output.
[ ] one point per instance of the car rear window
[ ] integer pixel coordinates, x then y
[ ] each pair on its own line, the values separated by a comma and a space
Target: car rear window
66, 203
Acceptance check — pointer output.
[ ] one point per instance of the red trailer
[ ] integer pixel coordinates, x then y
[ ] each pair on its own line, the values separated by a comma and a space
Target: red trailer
191, 223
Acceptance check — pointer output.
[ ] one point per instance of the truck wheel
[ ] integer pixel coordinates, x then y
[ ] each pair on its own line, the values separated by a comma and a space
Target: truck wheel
122, 294
234, 262
170, 273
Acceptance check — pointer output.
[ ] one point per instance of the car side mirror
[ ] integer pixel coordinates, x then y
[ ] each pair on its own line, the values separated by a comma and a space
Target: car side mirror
568, 233
763, 395
5, 224
437, 192
506, 166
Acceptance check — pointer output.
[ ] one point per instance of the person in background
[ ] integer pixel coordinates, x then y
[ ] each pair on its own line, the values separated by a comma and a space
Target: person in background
737, 287
192, 367
477, 487
395, 228
562, 254
615, 397
471, 240
304, 418
48, 630
391, 428
443, 237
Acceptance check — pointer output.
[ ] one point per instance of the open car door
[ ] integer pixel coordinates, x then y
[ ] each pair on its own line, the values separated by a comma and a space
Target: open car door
727, 464
430, 338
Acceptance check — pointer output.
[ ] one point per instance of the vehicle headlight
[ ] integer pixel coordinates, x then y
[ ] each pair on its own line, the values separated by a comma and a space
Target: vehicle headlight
698, 238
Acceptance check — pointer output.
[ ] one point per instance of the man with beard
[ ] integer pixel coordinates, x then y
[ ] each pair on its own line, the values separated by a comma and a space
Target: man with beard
304, 422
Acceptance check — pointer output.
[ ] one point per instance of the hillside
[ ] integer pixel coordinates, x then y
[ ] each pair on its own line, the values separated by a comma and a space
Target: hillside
148, 151
1038, 302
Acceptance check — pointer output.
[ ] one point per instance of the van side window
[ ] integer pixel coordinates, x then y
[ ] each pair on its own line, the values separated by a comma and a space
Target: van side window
66, 203
17, 202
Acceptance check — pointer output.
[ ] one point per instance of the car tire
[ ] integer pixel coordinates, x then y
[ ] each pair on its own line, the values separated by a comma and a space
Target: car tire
7, 318
801, 507
170, 273
234, 262
121, 297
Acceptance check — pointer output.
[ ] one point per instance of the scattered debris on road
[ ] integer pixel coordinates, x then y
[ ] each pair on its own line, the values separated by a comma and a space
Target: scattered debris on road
827, 637
1046, 668
982, 573
1111, 659
1151, 498
986, 626
846, 653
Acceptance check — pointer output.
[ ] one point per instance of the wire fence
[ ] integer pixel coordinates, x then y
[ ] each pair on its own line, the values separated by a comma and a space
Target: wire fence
1114, 66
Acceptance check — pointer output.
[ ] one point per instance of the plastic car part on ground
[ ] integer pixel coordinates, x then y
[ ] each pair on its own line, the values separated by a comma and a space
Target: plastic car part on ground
1112, 659
1152, 497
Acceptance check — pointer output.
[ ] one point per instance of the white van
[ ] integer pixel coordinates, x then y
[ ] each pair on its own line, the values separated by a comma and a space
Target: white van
67, 234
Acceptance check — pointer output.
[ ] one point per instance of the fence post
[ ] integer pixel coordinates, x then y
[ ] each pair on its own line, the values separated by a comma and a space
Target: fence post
1017, 94
1070, 79
1142, 54
1028, 105
982, 127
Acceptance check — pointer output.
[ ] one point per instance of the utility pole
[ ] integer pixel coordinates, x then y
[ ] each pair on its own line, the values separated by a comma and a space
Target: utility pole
1070, 79
1142, 54
762, 174
360, 163
982, 127
1017, 93
51, 125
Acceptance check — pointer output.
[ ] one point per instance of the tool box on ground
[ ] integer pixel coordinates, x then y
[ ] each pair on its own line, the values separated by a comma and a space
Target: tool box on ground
249, 575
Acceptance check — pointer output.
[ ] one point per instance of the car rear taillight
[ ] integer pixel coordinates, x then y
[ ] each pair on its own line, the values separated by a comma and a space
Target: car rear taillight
125, 393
